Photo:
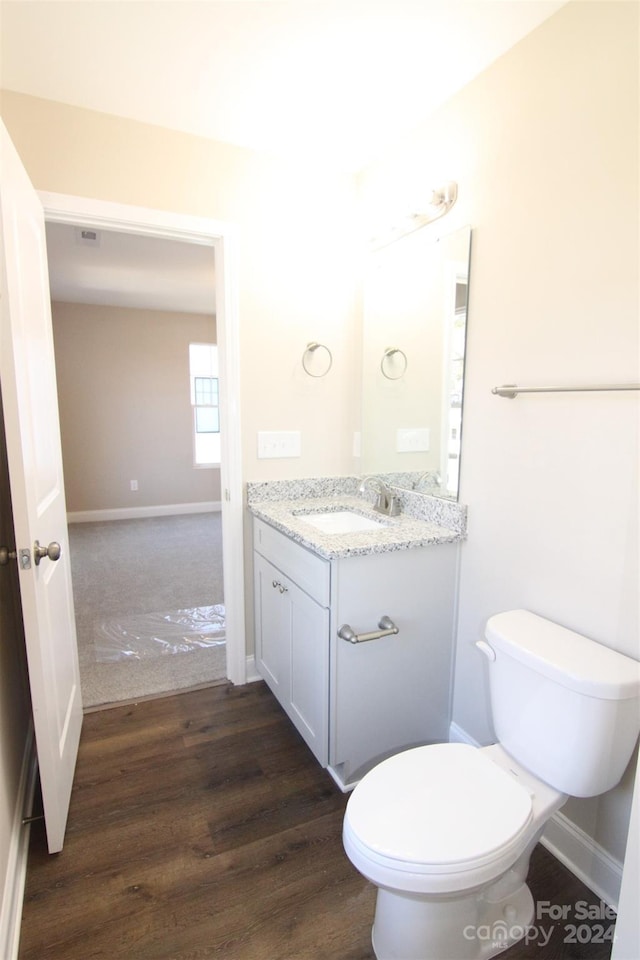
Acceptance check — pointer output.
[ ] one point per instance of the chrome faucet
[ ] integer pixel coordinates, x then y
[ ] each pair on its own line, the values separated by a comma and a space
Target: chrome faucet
428, 478
386, 501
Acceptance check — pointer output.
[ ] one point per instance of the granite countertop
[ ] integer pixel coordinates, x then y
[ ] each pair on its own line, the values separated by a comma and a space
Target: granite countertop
415, 527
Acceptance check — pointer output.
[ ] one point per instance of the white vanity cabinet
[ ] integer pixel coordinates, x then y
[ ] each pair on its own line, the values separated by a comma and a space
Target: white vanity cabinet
355, 703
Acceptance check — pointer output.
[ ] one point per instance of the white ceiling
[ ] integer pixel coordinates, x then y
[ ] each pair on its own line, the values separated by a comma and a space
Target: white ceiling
328, 80
130, 271
333, 78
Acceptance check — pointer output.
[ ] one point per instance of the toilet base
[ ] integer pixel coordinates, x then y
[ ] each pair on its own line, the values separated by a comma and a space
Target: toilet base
474, 927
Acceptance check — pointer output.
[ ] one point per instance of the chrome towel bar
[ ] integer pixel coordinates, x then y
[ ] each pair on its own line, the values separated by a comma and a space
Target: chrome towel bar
387, 628
511, 390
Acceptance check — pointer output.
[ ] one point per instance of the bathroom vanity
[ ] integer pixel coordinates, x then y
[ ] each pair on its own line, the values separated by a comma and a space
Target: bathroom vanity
355, 700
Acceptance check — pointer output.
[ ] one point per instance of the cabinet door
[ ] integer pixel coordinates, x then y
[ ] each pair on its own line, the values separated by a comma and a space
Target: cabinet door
309, 694
292, 653
273, 629
392, 693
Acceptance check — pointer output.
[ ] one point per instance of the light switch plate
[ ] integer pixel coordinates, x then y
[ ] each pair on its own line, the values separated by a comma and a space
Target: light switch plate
412, 440
273, 444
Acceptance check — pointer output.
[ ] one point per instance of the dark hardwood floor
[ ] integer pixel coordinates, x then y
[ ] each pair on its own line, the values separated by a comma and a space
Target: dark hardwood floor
201, 827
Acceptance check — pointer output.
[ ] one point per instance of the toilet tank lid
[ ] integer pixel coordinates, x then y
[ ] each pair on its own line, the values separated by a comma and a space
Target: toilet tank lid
568, 658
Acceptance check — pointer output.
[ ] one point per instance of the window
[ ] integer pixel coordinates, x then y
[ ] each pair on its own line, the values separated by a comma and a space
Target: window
203, 374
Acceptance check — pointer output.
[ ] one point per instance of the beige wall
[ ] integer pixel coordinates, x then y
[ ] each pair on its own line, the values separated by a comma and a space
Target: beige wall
125, 411
296, 228
544, 146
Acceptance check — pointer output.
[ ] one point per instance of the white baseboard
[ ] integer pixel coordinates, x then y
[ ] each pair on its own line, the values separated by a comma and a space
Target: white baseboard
140, 513
585, 858
252, 675
16, 872
579, 852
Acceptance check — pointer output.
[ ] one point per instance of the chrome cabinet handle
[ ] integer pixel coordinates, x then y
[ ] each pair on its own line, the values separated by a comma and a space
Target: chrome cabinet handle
387, 629
279, 586
53, 551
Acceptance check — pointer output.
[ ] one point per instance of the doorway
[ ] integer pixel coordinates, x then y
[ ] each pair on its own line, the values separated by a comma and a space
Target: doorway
141, 459
219, 239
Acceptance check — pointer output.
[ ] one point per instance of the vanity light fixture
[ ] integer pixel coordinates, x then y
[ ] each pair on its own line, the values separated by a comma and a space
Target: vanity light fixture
440, 203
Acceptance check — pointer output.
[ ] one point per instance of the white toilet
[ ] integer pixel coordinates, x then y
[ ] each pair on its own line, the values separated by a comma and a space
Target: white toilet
446, 831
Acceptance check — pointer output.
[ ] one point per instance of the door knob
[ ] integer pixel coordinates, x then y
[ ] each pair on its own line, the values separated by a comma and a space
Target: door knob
53, 551
6, 555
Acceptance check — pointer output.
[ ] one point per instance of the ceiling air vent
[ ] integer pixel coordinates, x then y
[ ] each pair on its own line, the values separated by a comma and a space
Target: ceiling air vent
87, 237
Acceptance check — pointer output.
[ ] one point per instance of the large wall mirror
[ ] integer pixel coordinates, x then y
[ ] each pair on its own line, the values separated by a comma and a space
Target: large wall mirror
414, 332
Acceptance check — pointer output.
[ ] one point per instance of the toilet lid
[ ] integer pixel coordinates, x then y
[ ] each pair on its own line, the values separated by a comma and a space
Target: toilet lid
438, 806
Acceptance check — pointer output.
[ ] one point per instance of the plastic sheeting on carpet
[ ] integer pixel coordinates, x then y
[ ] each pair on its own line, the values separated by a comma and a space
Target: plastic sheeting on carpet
147, 635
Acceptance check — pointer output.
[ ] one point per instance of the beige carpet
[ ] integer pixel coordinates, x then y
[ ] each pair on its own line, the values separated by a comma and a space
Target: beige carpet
149, 605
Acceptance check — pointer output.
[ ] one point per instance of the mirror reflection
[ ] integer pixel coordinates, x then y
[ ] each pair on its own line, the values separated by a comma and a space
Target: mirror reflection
414, 333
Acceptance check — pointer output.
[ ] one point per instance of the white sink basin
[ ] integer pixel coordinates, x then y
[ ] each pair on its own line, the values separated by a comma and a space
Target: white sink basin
340, 521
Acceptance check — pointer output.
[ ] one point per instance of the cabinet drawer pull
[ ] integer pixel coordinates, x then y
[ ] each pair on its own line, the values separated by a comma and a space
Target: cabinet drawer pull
279, 586
386, 625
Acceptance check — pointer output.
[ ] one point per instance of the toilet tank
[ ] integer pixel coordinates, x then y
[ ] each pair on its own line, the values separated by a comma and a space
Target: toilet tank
567, 708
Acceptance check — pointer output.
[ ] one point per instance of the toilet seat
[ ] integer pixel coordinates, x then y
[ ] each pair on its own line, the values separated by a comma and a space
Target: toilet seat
436, 818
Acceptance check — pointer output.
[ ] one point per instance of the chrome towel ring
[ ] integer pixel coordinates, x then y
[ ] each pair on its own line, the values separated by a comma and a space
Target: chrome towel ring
387, 358
308, 355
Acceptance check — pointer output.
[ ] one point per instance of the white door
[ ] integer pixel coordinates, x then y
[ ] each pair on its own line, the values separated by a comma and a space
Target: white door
27, 374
